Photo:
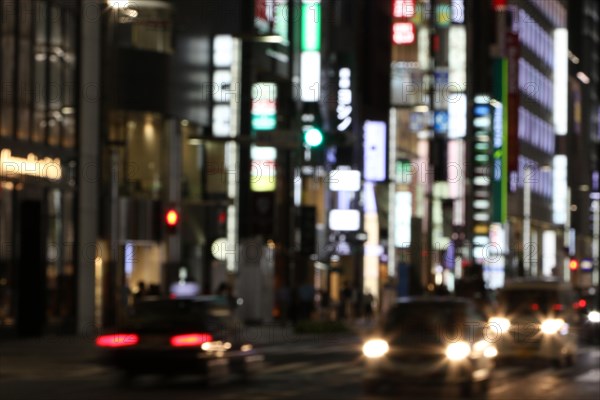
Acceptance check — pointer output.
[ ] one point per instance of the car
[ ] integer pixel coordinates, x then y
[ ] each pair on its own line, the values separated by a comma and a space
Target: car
588, 306
180, 336
436, 341
536, 319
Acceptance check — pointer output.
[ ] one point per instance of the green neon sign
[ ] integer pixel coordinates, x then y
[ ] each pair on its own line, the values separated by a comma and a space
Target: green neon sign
310, 39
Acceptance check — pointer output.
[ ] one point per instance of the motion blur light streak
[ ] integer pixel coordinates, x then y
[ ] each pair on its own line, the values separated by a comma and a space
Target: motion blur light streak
117, 340
192, 339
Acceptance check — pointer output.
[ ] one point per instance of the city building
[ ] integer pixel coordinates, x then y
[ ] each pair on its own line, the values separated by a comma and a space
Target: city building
39, 160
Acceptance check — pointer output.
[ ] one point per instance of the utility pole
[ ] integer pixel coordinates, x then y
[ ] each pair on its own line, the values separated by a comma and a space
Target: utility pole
428, 259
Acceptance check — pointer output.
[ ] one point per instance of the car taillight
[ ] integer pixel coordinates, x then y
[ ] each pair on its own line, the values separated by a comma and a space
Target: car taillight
117, 340
535, 307
557, 307
191, 339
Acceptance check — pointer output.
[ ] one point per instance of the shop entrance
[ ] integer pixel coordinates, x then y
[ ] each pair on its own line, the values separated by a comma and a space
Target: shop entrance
31, 280
142, 263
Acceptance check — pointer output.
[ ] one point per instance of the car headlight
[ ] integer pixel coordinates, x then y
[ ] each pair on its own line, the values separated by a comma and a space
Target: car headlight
502, 323
458, 351
486, 348
490, 352
594, 317
552, 326
375, 348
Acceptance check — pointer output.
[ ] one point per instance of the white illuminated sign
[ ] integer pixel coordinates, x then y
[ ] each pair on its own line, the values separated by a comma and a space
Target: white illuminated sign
375, 149
310, 76
548, 252
560, 189
403, 206
457, 58
44, 168
263, 171
561, 81
457, 117
222, 59
457, 11
344, 100
221, 120
342, 180
344, 220
222, 51
222, 83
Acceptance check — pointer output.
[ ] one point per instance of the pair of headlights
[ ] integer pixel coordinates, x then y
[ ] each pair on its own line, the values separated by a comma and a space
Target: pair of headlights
457, 351
549, 326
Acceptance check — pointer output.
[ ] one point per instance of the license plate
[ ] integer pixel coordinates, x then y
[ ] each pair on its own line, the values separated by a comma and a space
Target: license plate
219, 362
525, 352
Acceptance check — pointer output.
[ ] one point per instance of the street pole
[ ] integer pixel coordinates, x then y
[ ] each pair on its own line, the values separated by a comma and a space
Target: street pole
527, 245
430, 162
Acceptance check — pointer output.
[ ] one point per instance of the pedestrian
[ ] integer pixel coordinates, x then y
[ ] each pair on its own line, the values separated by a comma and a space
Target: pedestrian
306, 295
368, 306
140, 293
345, 300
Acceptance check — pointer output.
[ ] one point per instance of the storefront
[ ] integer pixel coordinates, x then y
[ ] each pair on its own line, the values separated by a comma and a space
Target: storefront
37, 236
38, 161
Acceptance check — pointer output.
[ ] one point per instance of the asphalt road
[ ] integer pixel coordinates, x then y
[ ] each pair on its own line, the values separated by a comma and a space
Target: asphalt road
312, 371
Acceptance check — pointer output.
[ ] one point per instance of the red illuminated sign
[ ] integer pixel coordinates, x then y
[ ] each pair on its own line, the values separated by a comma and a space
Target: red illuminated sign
403, 8
499, 5
403, 33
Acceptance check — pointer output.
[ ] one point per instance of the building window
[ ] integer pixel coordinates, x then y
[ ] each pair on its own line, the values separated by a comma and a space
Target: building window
39, 71
144, 27
141, 150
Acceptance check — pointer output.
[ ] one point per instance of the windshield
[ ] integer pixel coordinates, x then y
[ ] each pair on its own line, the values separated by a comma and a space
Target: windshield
528, 301
425, 323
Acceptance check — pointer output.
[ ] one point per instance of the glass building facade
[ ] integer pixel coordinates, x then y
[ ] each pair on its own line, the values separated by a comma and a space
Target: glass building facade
38, 141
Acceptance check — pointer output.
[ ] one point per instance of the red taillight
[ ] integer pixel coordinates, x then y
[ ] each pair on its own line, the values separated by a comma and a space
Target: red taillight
535, 306
117, 340
582, 303
557, 307
191, 339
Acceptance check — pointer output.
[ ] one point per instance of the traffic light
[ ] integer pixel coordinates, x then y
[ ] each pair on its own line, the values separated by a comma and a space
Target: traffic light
573, 264
172, 220
313, 137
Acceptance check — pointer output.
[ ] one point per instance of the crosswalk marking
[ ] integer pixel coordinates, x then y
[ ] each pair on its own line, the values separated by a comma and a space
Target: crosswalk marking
352, 370
324, 368
285, 367
310, 349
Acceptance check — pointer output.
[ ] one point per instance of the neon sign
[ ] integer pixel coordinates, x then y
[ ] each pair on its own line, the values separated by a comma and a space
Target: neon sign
44, 168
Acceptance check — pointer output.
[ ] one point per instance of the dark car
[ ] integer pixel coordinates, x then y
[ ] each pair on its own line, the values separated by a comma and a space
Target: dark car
588, 305
197, 336
433, 341
536, 319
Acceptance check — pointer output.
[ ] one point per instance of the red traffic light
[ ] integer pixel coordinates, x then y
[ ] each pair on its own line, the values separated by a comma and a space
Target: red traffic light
573, 264
171, 218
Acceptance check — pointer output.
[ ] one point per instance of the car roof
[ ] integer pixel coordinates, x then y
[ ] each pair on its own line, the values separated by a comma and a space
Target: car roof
433, 300
195, 299
536, 283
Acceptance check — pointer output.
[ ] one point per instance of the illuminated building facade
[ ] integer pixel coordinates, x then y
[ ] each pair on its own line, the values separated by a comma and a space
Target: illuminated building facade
39, 139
